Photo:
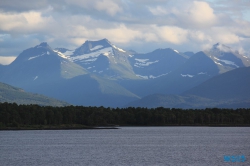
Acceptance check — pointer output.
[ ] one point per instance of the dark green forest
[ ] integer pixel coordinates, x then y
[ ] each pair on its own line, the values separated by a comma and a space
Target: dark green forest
13, 115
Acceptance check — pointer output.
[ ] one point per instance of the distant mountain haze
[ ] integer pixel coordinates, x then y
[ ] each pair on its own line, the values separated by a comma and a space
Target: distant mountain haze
98, 73
227, 90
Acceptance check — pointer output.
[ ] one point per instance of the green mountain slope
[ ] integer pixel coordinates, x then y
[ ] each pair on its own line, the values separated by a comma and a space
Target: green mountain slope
16, 95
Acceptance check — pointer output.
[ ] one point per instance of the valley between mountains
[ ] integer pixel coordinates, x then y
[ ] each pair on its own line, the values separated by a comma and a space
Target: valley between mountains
98, 73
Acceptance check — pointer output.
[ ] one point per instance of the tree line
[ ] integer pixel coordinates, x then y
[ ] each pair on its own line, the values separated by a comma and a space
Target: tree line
13, 115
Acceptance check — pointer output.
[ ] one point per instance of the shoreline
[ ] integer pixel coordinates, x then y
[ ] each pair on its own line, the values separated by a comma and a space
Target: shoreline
107, 127
57, 127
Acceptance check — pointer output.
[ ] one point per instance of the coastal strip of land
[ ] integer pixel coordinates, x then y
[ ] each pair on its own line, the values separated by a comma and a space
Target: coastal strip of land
36, 117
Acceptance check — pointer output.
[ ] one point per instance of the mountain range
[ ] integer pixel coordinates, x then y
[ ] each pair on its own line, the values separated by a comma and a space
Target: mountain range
227, 90
98, 73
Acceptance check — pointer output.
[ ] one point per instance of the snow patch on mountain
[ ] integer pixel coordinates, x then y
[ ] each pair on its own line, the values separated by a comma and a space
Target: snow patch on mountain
187, 75
176, 51
68, 52
33, 57
143, 62
119, 49
61, 54
144, 77
191, 76
89, 60
106, 54
151, 76
227, 62
36, 77
218, 63
96, 47
105, 51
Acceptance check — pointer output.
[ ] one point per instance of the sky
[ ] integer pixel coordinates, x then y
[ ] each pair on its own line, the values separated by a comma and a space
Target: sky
140, 25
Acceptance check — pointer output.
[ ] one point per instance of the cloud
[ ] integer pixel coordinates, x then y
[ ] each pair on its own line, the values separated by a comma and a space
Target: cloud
22, 6
117, 34
26, 22
195, 14
223, 35
158, 10
6, 60
120, 34
13, 45
171, 34
143, 24
110, 7
199, 13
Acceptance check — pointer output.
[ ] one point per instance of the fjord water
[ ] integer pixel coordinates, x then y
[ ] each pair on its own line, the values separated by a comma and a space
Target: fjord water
125, 146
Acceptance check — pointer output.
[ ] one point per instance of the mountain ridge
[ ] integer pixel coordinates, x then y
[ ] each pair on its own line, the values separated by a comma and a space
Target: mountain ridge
100, 73
227, 90
12, 94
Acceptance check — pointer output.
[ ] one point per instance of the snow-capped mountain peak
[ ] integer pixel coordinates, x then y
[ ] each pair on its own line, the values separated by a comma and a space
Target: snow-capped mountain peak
91, 46
42, 45
42, 50
100, 57
226, 58
221, 47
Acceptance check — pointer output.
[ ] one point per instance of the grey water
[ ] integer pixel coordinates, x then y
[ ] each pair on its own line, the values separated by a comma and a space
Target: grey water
125, 146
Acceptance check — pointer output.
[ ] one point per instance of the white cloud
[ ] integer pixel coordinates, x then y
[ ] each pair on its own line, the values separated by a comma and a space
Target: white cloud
150, 37
199, 36
201, 13
108, 6
186, 24
5, 60
119, 34
224, 36
196, 14
26, 22
111, 7
158, 11
78, 34
11, 21
171, 34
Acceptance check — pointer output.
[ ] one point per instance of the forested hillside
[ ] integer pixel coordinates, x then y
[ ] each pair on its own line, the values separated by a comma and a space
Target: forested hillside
17, 116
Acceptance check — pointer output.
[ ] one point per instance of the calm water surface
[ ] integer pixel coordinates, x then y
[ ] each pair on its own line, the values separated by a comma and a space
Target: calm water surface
126, 146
